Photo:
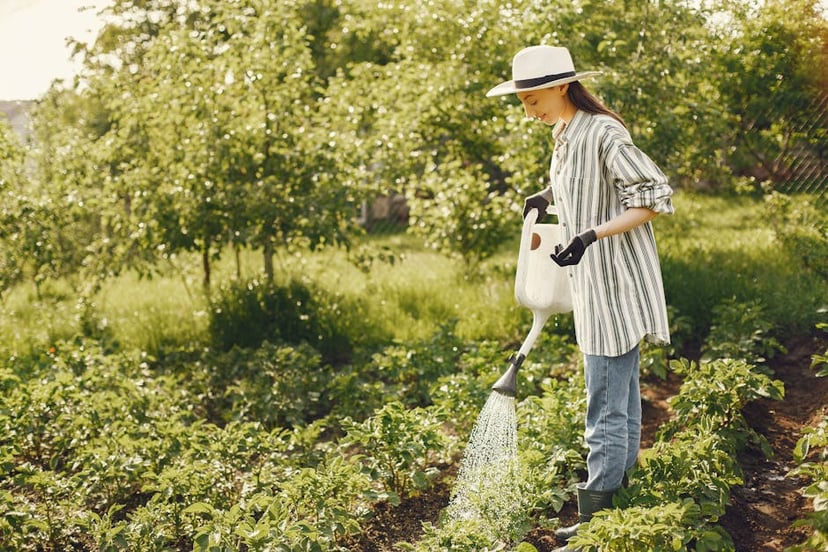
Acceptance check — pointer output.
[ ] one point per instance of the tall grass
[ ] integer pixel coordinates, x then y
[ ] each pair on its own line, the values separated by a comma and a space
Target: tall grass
32, 321
153, 315
716, 248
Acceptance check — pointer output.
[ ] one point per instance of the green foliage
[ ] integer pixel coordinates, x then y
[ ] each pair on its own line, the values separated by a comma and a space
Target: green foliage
504, 508
635, 46
462, 391
715, 236
550, 429
467, 219
698, 464
103, 444
714, 393
811, 456
396, 372
283, 118
276, 385
97, 444
776, 48
801, 227
399, 447
819, 361
12, 158
314, 510
663, 528
740, 330
42, 231
233, 154
459, 536
211, 127
655, 358
408, 371
245, 314
681, 486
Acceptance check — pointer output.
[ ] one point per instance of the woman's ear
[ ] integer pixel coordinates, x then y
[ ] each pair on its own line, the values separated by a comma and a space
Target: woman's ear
563, 88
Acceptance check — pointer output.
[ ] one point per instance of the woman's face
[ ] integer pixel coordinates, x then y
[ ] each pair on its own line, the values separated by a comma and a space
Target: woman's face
546, 105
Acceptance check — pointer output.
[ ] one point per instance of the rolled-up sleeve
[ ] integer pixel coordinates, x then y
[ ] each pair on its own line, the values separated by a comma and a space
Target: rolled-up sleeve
638, 180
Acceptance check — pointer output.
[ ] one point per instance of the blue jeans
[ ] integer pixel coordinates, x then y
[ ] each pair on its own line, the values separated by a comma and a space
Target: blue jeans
613, 420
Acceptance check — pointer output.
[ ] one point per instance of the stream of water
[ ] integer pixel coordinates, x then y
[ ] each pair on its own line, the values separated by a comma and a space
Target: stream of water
486, 485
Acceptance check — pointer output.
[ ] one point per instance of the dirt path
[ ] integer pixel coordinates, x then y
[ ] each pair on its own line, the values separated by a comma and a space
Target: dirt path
761, 512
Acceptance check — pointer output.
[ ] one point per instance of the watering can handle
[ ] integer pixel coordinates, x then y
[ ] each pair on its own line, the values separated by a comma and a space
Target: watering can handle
525, 246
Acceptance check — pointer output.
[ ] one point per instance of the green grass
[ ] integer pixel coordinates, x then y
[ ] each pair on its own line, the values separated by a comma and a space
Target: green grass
151, 315
29, 322
716, 248
712, 248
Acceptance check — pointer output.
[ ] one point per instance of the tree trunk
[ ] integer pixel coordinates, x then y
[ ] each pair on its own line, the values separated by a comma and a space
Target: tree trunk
238, 261
205, 264
268, 260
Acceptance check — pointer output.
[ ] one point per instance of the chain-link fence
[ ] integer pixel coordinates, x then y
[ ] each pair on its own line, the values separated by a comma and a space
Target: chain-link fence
808, 164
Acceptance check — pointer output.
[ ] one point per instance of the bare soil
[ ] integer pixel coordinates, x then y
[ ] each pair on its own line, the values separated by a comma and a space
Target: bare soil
761, 512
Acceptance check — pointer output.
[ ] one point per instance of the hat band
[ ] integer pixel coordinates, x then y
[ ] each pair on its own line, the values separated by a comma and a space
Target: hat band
537, 81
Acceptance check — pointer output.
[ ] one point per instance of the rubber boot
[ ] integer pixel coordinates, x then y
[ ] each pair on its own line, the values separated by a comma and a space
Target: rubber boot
589, 502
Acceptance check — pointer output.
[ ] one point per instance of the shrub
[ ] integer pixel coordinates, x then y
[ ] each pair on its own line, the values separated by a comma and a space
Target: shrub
720, 248
802, 229
466, 219
697, 464
245, 314
551, 426
403, 373
276, 385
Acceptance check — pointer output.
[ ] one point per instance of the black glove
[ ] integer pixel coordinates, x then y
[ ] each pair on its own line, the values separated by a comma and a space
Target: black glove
538, 202
572, 253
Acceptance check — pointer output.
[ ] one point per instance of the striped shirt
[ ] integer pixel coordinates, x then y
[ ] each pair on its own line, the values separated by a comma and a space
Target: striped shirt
596, 173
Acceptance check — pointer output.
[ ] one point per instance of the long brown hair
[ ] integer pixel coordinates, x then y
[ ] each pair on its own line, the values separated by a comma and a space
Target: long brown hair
586, 100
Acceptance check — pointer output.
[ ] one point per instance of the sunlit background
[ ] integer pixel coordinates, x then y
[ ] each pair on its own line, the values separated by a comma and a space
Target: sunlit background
33, 48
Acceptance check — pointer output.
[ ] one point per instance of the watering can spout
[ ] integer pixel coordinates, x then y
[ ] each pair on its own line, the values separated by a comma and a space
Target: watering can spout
507, 384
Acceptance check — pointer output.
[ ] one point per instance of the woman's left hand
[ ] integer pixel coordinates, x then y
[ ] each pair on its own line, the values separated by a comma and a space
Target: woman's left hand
572, 253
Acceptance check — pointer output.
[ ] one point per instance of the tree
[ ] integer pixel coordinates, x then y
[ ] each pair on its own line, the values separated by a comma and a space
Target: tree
212, 135
251, 123
775, 63
418, 126
61, 212
12, 183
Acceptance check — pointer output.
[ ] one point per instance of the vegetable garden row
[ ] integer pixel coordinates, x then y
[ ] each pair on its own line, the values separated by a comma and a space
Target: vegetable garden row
272, 448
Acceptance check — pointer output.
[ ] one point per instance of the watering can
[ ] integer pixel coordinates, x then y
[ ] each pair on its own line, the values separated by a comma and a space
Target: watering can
540, 285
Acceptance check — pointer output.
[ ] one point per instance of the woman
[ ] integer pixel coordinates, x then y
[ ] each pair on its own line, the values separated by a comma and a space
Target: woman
606, 191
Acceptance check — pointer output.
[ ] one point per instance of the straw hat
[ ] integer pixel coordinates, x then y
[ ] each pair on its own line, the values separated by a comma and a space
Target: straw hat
539, 67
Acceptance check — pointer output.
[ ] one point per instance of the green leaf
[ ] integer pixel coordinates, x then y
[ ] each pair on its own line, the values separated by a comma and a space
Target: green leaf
201, 508
801, 449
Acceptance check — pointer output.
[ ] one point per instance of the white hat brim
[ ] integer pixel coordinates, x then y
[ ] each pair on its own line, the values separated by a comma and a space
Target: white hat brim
509, 87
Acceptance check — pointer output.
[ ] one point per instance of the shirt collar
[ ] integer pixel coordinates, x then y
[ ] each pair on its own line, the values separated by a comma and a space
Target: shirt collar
558, 131
563, 131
